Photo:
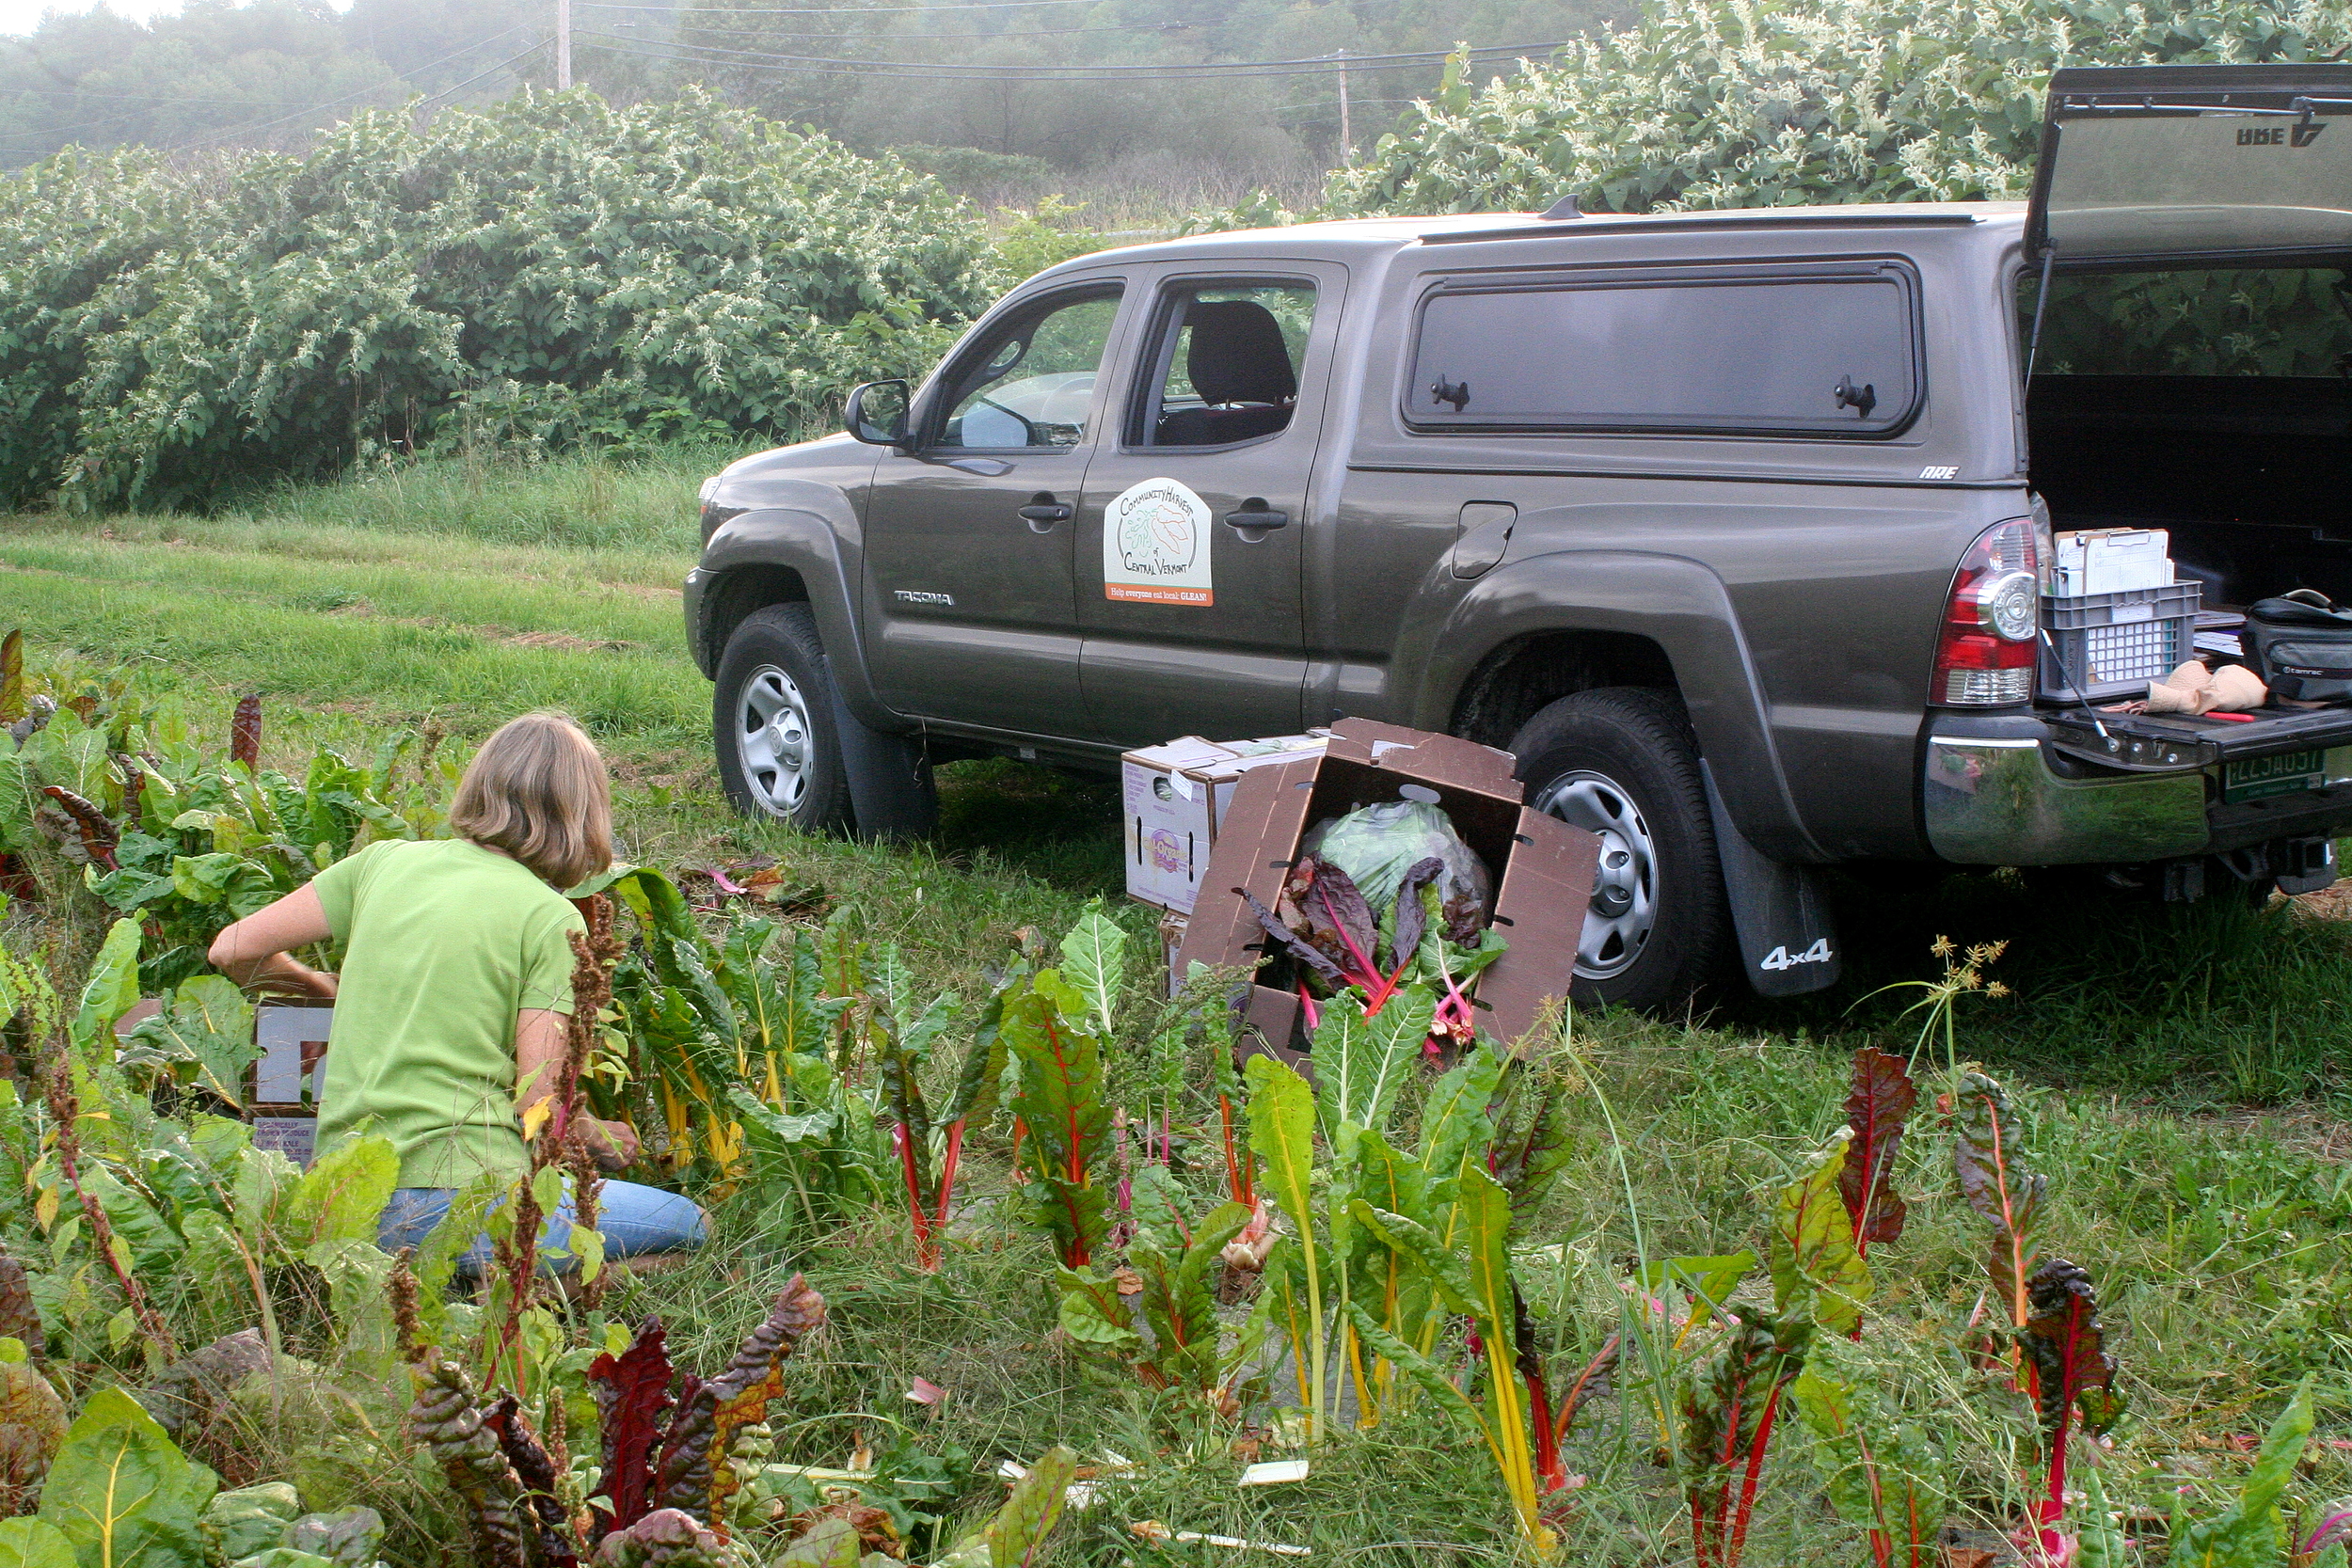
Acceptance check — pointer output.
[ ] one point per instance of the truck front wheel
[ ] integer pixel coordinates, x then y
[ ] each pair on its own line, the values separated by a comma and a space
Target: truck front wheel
1619, 761
774, 718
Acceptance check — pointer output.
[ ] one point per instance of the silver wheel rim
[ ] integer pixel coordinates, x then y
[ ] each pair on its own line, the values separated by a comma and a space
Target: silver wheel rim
772, 740
1624, 910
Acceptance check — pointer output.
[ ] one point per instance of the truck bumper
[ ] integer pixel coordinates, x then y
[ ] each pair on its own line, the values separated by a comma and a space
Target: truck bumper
1992, 793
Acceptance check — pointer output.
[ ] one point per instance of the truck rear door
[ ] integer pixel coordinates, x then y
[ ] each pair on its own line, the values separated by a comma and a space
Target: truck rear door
1196, 515
2178, 165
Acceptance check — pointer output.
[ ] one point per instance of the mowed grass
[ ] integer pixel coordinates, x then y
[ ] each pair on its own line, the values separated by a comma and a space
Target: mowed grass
2182, 1073
2209, 1004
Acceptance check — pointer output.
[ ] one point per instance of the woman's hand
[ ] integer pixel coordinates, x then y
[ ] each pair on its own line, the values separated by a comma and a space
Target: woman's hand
613, 1143
538, 1056
255, 951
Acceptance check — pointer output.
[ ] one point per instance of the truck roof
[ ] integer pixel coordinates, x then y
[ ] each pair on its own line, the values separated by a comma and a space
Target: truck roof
1342, 238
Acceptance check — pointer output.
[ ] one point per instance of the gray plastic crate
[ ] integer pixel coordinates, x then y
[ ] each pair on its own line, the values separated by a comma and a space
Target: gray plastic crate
2111, 646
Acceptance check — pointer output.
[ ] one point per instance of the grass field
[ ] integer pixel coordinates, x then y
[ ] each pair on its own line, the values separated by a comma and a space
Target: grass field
2185, 1074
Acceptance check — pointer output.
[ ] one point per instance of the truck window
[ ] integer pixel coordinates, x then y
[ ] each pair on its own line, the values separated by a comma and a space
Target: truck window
1225, 363
1829, 352
1031, 382
2199, 321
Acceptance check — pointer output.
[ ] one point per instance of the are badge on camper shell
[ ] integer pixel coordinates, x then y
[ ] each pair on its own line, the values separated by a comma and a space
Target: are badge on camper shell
1155, 545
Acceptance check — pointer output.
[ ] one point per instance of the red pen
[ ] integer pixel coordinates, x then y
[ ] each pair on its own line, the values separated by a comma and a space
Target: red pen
2233, 718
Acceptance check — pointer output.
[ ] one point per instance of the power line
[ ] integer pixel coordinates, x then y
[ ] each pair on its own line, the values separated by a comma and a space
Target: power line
143, 98
838, 10
511, 61
682, 23
336, 103
300, 107
965, 70
698, 29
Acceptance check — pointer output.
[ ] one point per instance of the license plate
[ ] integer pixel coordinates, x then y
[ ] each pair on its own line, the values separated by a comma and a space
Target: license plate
2286, 773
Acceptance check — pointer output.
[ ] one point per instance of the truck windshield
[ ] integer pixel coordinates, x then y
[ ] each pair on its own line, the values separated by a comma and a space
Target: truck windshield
2208, 321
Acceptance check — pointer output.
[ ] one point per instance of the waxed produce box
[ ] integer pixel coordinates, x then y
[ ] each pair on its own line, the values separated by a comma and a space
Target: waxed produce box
1172, 799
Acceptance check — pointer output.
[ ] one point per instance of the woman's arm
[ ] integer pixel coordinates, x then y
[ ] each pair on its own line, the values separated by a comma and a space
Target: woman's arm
538, 1056
254, 951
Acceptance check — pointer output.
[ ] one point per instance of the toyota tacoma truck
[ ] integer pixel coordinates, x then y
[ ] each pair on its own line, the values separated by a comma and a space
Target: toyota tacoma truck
1732, 527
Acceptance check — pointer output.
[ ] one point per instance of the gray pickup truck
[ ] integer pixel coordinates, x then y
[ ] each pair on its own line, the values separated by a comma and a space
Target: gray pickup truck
1733, 527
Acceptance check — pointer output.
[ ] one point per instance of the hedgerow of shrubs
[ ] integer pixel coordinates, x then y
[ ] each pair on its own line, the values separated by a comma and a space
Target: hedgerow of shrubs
1716, 103
545, 273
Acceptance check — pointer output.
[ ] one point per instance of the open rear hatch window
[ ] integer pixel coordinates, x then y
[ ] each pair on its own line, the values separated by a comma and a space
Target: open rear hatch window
2176, 165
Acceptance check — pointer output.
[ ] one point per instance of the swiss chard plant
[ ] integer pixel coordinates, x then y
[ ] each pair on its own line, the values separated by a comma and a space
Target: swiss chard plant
725, 1054
1063, 1118
1341, 944
1884, 1473
1172, 1338
1995, 1178
186, 842
1389, 1249
2072, 1378
1879, 1103
1731, 1401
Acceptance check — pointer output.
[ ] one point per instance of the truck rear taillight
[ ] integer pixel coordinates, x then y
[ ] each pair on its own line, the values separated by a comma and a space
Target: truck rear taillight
1985, 657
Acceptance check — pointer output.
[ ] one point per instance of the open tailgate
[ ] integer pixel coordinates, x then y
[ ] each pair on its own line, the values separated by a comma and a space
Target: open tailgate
2189, 165
2166, 743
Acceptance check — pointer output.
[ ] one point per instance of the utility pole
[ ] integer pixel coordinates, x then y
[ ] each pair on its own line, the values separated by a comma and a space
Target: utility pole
563, 45
1347, 129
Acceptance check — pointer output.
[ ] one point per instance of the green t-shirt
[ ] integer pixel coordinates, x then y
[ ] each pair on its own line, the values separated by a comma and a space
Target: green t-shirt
445, 941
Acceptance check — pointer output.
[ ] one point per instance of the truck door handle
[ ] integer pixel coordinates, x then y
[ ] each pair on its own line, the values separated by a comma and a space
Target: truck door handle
1042, 514
1256, 514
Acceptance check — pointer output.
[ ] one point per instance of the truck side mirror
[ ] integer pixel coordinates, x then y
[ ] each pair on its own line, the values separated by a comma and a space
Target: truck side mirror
876, 412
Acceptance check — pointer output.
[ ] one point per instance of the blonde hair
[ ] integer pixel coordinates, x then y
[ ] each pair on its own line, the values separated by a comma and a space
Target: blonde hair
537, 790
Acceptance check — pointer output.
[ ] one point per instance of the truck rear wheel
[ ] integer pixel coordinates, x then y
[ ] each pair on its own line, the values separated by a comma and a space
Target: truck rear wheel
774, 718
1620, 762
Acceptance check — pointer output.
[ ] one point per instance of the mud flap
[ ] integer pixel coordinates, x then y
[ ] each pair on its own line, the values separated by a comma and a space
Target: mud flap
1788, 943
891, 792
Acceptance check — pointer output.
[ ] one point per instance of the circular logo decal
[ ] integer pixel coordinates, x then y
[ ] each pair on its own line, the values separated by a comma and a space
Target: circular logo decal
1155, 545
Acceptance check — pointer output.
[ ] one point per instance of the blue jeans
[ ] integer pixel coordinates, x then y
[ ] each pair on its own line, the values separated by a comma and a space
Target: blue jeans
632, 1219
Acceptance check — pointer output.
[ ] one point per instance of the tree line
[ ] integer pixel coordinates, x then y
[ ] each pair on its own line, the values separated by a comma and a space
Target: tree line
876, 74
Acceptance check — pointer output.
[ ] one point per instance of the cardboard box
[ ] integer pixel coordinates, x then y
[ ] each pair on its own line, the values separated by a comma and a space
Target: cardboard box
1543, 867
1166, 811
1173, 798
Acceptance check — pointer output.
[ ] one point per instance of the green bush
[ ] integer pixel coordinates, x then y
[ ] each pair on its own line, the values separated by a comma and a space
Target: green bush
974, 168
548, 273
1712, 103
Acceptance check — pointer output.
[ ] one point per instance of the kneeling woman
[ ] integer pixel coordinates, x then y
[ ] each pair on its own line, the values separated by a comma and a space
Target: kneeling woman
457, 983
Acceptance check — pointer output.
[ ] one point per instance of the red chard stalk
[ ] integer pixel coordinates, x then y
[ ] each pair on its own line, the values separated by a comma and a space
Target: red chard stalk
1997, 1184
2066, 1345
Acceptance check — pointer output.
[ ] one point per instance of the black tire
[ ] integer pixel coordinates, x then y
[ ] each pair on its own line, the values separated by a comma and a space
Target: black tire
1621, 760
775, 665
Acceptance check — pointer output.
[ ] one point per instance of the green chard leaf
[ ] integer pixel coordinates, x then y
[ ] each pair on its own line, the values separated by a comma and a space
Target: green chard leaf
1017, 1533
1816, 1267
122, 1492
2252, 1533
1362, 1064
341, 1195
1060, 1102
1094, 962
34, 1544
